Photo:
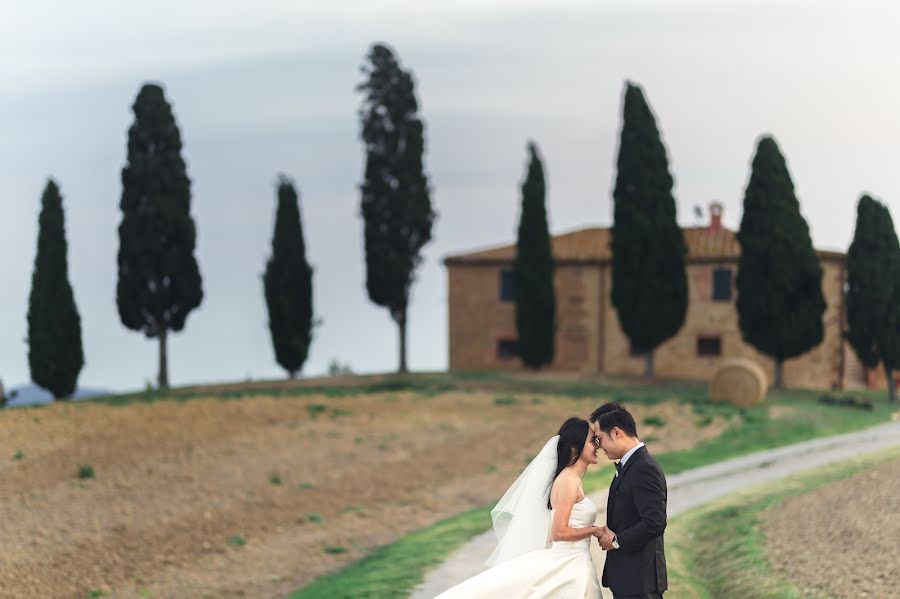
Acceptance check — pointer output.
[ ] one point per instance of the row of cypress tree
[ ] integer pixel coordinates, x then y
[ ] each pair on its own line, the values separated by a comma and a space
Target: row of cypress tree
159, 281
780, 303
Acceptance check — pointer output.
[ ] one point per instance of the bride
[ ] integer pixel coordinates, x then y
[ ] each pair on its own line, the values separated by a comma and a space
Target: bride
544, 524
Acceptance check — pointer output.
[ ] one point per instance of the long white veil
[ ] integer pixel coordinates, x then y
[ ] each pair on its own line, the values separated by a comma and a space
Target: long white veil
521, 518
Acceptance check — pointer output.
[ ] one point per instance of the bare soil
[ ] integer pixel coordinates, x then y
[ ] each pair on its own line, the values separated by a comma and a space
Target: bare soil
254, 497
841, 540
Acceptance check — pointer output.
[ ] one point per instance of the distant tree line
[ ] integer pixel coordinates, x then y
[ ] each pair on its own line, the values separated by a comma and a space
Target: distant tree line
780, 302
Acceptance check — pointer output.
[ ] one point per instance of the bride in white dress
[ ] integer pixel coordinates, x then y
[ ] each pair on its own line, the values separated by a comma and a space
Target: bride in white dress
544, 524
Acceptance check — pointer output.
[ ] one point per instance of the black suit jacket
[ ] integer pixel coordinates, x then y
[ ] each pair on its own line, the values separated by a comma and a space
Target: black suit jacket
636, 512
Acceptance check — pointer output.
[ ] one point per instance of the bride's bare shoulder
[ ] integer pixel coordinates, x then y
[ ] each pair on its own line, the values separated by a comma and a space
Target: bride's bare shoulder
566, 483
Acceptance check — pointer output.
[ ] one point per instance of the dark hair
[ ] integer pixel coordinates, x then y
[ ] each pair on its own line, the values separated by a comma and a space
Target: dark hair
572, 437
614, 415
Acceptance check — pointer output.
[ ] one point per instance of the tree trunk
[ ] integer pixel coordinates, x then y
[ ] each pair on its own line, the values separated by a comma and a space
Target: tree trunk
779, 374
401, 325
292, 375
648, 365
163, 359
892, 386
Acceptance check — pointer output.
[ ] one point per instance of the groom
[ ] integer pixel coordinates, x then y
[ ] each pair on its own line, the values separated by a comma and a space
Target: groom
636, 510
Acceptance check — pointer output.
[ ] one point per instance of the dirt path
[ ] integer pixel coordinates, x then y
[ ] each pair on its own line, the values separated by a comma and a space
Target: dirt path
691, 489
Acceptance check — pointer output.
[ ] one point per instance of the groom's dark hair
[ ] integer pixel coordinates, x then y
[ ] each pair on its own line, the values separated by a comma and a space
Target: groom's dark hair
612, 415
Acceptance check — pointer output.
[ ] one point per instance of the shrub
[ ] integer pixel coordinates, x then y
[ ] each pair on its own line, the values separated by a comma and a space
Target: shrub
657, 421
85, 471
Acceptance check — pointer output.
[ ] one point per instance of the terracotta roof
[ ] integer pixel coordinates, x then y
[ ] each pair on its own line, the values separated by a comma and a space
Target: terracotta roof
591, 245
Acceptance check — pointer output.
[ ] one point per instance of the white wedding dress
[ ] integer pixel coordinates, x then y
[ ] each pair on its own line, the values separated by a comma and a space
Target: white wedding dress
562, 571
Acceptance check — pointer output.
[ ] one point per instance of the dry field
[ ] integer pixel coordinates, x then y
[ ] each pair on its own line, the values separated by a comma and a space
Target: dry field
256, 496
841, 540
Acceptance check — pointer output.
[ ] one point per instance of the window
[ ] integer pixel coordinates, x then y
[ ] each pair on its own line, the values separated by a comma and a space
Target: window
507, 285
507, 349
636, 350
709, 346
722, 285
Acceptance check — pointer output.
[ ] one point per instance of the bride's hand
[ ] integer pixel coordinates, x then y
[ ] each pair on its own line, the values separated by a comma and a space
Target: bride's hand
601, 530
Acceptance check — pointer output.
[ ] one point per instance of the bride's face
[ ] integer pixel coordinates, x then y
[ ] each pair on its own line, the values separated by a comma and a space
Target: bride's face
589, 451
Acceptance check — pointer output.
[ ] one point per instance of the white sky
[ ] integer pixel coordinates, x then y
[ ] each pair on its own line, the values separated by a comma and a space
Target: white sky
262, 87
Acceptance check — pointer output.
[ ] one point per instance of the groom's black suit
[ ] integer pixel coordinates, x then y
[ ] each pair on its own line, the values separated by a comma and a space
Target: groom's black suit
636, 512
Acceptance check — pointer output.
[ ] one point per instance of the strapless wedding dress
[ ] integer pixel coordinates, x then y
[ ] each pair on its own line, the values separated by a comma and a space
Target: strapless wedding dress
563, 570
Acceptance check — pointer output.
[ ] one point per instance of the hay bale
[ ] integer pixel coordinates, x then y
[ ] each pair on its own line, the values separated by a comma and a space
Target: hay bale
740, 382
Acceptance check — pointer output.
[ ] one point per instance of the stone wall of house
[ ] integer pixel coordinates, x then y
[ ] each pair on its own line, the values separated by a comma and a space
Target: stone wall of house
479, 319
589, 338
678, 357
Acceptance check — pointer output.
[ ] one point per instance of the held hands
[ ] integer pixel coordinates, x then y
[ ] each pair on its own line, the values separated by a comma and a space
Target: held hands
605, 538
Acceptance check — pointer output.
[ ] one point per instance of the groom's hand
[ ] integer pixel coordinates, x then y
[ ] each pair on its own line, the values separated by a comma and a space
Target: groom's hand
606, 539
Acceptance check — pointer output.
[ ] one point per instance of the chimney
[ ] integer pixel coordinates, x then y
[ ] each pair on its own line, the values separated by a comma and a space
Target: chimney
715, 216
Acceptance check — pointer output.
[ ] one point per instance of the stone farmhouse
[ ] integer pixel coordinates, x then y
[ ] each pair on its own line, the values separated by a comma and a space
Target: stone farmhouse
482, 331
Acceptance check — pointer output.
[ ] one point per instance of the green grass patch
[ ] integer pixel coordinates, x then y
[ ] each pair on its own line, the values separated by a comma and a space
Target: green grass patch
314, 409
85, 471
719, 550
19, 455
394, 569
337, 550
506, 400
657, 421
237, 540
274, 478
315, 518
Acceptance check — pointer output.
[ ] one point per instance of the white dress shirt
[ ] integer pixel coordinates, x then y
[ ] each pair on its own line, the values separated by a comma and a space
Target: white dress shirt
628, 455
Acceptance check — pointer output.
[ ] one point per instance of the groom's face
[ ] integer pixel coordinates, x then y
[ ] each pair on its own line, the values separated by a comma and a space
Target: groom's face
610, 442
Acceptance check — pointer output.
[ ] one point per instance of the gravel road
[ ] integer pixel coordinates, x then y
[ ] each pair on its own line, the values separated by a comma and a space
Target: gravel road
690, 489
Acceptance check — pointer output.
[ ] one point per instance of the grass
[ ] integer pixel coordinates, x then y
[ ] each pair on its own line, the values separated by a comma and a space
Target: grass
393, 570
274, 478
237, 541
657, 421
19, 455
85, 471
398, 566
719, 550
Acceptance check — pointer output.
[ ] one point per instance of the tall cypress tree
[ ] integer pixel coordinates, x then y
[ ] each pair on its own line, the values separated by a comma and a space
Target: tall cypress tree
287, 283
535, 297
159, 280
396, 204
779, 280
873, 289
649, 282
55, 355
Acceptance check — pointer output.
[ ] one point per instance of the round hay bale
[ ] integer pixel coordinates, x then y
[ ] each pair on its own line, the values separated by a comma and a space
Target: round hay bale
740, 382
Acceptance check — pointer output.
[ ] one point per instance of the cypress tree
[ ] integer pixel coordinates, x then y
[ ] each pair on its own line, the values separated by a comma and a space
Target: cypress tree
55, 354
535, 297
287, 283
779, 280
873, 289
649, 282
159, 280
396, 204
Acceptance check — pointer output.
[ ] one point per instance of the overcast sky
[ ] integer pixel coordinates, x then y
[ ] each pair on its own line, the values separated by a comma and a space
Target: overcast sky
265, 87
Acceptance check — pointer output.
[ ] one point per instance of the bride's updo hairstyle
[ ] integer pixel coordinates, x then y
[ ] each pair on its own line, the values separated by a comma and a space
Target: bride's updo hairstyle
572, 436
